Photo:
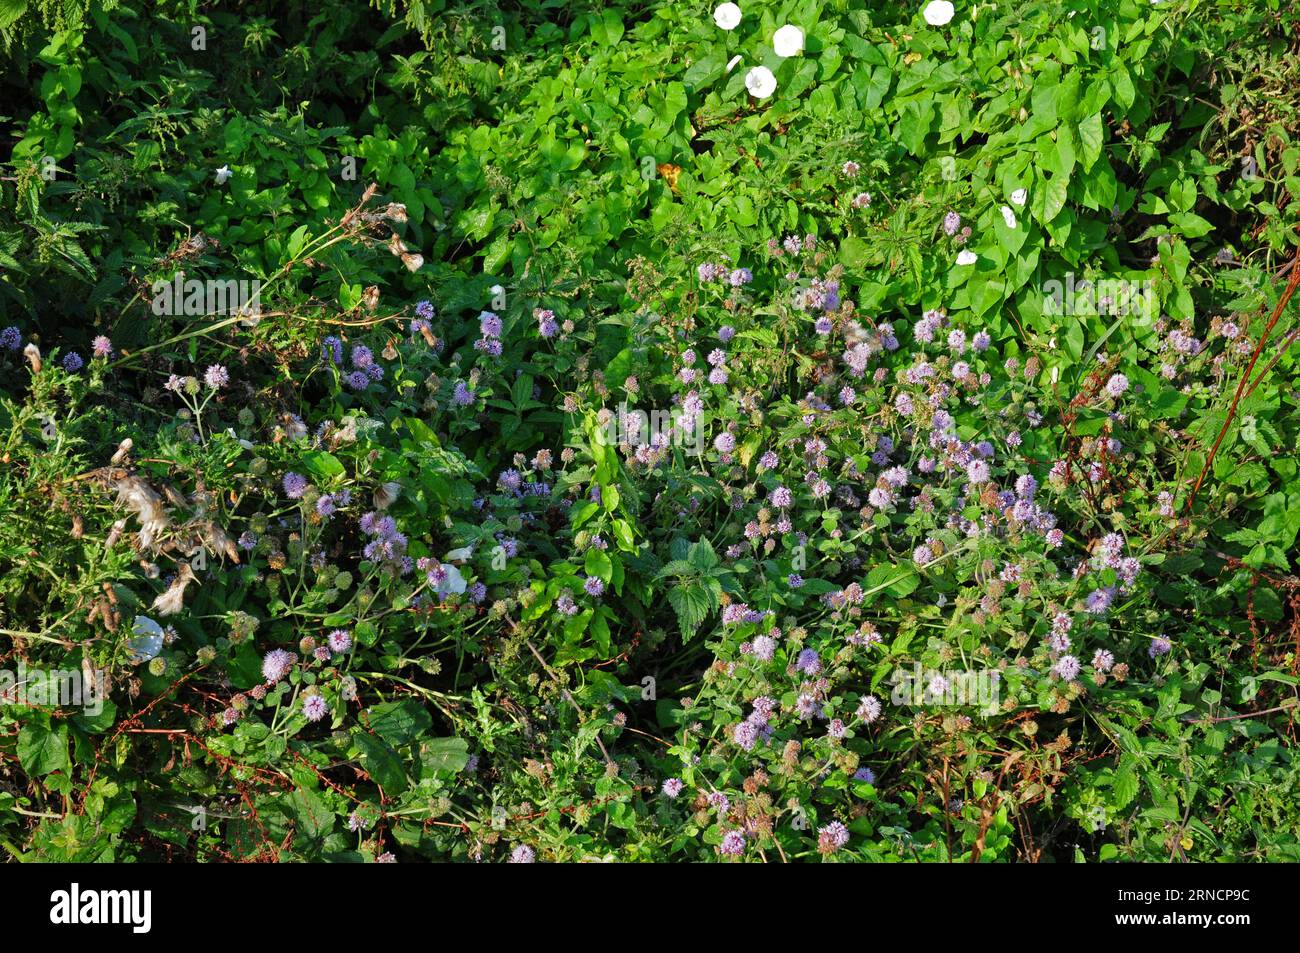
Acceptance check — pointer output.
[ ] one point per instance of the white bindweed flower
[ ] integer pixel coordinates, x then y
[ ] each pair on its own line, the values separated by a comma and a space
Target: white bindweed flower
734, 60
146, 640
1019, 196
223, 174
760, 82
938, 12
1008, 216
727, 16
787, 41
453, 583
967, 258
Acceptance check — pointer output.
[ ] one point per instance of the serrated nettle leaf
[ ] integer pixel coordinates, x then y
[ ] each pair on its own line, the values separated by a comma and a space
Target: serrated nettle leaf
692, 604
399, 723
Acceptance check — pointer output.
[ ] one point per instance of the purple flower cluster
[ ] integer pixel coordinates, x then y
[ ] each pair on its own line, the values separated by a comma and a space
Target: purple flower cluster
820, 295
462, 396
314, 707
366, 369
832, 837
547, 326
386, 544
756, 728
738, 612
808, 662
490, 326
327, 504
295, 485
216, 377
733, 843
276, 664
332, 350
709, 272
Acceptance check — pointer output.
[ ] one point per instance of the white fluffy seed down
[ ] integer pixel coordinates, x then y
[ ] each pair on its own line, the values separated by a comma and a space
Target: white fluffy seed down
171, 601
137, 495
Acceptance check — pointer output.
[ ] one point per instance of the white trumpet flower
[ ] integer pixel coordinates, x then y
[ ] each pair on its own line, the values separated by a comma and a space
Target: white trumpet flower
760, 82
787, 41
727, 16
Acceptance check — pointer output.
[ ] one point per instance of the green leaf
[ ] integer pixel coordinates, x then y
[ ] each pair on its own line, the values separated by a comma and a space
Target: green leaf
1190, 224
692, 604
914, 125
583, 512
1122, 84
42, 750
322, 464
444, 754
623, 535
297, 241
11, 11
607, 29
380, 761
1050, 199
576, 625
1092, 139
600, 632
598, 564
312, 817
897, 580
1125, 788
98, 722
702, 556
367, 634
399, 722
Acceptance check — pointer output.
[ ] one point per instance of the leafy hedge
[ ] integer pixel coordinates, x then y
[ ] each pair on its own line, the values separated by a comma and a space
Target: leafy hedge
960, 524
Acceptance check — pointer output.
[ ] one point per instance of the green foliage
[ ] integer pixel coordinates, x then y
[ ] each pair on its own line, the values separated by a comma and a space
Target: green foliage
555, 622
